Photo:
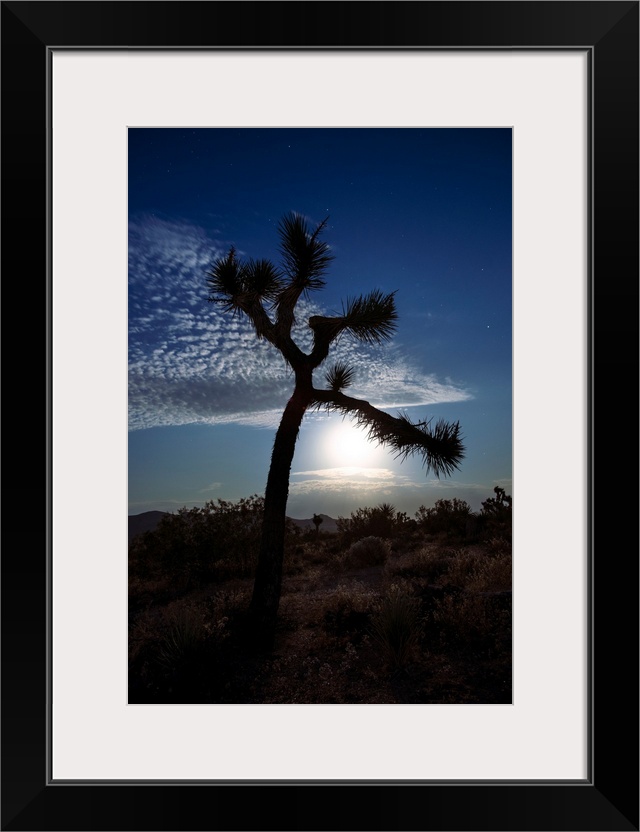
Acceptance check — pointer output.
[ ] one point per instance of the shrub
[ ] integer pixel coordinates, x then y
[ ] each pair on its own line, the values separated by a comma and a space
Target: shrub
492, 574
396, 627
348, 607
197, 545
462, 569
181, 642
499, 546
301, 556
474, 620
427, 563
476, 571
226, 603
381, 521
369, 551
496, 514
452, 517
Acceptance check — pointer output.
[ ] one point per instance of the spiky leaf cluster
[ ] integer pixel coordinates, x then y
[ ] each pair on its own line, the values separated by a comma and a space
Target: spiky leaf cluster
439, 445
340, 376
238, 285
262, 279
304, 255
371, 318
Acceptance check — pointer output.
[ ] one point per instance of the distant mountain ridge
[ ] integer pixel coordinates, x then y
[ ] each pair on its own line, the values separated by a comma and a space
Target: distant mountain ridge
328, 523
148, 520
145, 522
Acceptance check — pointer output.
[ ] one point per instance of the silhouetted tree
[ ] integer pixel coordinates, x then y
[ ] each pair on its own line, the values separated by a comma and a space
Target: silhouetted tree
317, 521
496, 512
381, 521
448, 516
267, 295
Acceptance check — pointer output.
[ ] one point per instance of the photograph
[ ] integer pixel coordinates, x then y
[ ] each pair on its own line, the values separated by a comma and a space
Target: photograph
320, 415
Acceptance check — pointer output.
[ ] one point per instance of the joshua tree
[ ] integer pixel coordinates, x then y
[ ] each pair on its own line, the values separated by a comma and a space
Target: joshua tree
317, 520
267, 295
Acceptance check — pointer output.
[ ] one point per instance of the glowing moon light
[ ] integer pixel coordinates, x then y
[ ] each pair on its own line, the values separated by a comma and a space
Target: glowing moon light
348, 446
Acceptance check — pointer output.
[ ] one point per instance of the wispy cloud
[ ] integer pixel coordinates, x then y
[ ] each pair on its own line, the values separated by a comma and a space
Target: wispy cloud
344, 489
213, 486
349, 472
369, 482
189, 362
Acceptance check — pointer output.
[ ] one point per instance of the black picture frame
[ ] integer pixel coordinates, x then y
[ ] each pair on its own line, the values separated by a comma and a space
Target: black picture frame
608, 799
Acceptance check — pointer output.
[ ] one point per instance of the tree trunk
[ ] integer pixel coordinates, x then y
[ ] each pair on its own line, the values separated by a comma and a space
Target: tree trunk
268, 582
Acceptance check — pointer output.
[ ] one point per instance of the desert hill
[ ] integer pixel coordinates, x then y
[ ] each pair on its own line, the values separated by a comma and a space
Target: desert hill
145, 522
328, 523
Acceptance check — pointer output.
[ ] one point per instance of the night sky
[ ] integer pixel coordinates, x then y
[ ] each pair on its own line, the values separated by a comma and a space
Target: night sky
426, 213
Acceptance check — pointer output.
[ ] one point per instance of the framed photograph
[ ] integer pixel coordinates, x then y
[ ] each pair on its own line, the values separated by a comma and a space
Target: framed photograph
496, 146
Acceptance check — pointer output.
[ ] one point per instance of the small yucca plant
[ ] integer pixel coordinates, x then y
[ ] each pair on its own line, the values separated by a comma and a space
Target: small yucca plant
182, 641
396, 628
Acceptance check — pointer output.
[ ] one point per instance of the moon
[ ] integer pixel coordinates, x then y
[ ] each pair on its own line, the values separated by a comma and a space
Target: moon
347, 445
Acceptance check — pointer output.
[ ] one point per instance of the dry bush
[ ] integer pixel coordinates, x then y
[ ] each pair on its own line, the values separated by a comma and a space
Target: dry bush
224, 603
143, 591
300, 557
476, 572
144, 630
315, 552
475, 605
369, 551
499, 545
170, 640
348, 607
473, 619
330, 672
428, 563
181, 628
396, 627
462, 568
493, 575
182, 638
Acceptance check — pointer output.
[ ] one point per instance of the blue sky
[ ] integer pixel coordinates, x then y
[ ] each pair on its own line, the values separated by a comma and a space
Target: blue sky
426, 213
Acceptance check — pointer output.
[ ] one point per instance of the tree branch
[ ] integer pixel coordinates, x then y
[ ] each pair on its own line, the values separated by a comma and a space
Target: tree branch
439, 446
369, 318
305, 258
240, 287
